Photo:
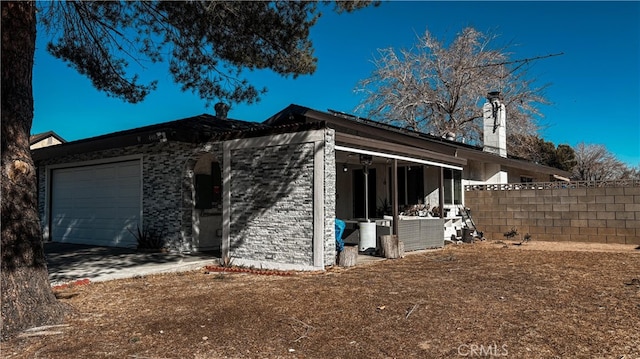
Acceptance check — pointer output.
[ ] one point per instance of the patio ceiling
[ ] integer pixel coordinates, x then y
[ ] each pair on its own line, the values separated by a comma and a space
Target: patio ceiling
348, 147
401, 159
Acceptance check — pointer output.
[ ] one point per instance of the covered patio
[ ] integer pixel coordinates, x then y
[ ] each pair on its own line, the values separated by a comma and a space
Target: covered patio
389, 180
387, 188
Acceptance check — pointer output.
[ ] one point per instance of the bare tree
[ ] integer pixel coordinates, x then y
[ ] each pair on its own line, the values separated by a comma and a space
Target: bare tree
439, 89
631, 173
596, 163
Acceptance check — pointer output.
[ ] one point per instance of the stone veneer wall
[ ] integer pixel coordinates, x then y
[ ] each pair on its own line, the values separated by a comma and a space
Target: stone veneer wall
272, 191
162, 171
605, 215
273, 208
272, 203
330, 197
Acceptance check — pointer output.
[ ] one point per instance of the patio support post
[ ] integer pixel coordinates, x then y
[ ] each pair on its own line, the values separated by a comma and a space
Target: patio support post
394, 195
441, 192
226, 201
318, 204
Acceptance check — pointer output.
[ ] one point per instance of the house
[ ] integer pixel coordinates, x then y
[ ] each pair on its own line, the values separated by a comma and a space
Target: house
253, 191
265, 194
45, 139
430, 171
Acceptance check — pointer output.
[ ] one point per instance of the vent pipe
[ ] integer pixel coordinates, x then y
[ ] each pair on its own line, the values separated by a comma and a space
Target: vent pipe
495, 131
221, 110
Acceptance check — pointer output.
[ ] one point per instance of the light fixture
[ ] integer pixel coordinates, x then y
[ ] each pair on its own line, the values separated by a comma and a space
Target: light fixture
344, 168
366, 160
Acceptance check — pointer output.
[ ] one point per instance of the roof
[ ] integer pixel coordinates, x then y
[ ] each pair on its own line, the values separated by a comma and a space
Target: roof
350, 131
348, 127
196, 129
41, 136
294, 111
191, 129
454, 152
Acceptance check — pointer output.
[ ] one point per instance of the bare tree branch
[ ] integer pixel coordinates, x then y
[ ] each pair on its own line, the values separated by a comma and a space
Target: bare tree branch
440, 89
596, 163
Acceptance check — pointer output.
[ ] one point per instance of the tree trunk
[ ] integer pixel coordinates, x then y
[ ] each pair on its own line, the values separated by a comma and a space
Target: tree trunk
27, 299
391, 246
348, 257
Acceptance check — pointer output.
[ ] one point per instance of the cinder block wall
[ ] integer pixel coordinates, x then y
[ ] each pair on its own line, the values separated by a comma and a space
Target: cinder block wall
604, 215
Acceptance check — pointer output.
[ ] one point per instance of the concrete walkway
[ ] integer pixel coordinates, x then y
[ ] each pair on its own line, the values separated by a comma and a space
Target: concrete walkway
70, 262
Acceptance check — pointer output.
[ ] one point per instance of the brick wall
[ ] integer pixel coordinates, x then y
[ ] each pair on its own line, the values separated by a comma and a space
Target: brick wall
605, 215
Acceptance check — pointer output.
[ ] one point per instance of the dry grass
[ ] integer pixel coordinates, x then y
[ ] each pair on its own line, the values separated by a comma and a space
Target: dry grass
534, 301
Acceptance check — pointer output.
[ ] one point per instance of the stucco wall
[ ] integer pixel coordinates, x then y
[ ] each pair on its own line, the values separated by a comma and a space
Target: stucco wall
45, 142
605, 215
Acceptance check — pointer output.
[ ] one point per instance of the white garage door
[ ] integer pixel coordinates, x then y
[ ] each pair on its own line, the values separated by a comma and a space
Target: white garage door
96, 204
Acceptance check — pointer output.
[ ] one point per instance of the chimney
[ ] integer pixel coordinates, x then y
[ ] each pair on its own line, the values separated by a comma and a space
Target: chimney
221, 110
495, 131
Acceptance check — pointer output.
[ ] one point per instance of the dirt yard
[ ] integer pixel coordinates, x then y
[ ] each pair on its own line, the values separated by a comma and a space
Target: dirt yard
488, 299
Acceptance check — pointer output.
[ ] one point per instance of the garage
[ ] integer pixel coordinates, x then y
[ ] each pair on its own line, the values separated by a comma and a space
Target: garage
96, 204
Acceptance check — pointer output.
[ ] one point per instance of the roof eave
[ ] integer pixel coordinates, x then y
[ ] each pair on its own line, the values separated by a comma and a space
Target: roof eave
511, 162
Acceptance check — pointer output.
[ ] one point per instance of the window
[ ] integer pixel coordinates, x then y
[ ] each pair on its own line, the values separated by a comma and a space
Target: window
526, 179
452, 186
204, 191
216, 176
209, 188
415, 185
410, 185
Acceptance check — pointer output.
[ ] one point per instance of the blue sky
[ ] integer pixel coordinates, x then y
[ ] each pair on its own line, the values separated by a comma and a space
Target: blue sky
595, 85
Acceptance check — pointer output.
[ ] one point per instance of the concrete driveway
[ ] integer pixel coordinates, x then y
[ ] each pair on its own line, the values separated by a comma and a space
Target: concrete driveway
70, 262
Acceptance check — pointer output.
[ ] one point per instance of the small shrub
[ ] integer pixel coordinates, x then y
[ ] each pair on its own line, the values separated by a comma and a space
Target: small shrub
226, 262
148, 238
511, 233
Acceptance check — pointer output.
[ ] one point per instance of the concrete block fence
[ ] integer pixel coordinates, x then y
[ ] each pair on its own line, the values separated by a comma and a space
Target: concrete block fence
603, 212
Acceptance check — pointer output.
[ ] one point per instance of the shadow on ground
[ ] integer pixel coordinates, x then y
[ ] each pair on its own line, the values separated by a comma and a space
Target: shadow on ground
67, 262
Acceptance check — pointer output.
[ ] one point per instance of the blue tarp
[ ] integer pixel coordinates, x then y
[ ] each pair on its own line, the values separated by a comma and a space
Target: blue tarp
340, 226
